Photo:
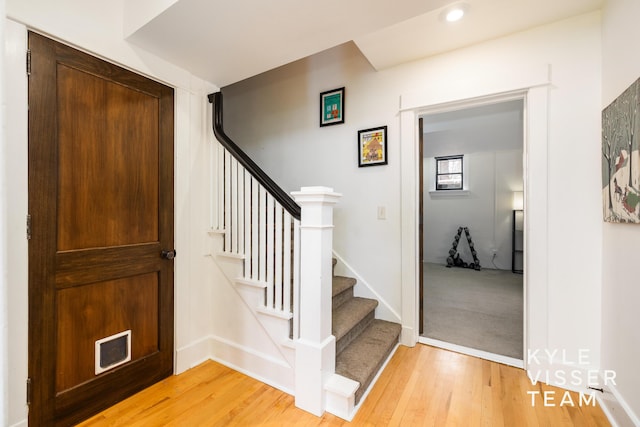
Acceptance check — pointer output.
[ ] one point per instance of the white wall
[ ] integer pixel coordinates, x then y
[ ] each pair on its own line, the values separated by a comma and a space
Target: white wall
275, 117
620, 290
486, 209
97, 28
4, 276
15, 198
281, 109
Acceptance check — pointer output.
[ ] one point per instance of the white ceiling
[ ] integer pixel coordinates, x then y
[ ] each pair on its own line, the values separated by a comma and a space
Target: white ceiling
427, 34
491, 127
225, 41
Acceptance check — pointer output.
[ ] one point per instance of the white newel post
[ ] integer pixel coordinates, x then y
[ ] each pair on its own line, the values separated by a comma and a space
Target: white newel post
316, 347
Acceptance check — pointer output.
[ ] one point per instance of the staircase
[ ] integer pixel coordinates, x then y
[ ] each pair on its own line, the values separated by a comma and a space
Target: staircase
363, 343
279, 259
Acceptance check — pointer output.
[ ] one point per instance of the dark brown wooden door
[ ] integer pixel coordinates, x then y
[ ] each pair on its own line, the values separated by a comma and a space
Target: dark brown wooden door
101, 206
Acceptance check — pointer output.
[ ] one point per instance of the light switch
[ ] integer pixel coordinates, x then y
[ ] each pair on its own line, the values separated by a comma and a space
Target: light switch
382, 212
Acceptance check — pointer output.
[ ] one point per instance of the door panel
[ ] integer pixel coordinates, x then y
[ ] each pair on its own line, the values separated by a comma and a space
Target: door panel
117, 167
101, 203
91, 312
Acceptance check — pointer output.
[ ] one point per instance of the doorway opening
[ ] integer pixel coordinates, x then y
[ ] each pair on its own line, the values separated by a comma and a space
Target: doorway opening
471, 295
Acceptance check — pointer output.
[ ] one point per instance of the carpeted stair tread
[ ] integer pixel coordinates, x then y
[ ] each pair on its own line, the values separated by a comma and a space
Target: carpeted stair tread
341, 284
348, 315
363, 358
342, 290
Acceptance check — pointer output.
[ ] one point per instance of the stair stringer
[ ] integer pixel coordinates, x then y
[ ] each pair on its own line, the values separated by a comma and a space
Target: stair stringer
340, 392
274, 325
384, 311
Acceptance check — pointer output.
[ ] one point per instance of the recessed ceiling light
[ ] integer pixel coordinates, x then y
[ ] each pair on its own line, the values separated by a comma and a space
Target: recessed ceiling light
454, 13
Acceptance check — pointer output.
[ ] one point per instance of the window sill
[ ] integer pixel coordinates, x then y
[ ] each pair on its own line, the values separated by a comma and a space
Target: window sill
437, 194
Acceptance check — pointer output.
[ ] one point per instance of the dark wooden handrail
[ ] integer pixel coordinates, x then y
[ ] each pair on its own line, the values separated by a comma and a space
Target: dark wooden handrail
274, 189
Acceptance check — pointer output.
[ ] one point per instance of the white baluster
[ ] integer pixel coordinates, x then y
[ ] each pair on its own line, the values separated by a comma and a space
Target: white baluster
262, 235
270, 250
255, 227
286, 263
247, 224
213, 182
234, 205
296, 279
277, 280
240, 210
227, 201
220, 174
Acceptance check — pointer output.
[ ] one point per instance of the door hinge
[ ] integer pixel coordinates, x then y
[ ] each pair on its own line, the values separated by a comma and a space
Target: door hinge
28, 227
28, 62
28, 391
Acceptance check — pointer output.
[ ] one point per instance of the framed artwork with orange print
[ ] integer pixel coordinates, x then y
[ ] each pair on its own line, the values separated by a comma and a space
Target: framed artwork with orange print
372, 146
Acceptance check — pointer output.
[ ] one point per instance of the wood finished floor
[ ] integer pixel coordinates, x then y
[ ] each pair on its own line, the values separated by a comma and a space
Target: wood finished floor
421, 386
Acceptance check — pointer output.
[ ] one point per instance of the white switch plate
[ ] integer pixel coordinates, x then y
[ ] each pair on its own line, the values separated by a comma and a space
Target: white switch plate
382, 212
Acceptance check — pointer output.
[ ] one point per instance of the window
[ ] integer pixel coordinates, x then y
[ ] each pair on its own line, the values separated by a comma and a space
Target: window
449, 173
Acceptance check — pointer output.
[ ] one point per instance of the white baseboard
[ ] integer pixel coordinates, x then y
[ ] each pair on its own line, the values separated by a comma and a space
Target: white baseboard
408, 336
587, 380
192, 355
22, 423
616, 408
263, 367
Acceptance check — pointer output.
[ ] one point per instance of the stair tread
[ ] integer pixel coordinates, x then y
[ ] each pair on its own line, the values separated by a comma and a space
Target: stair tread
341, 284
362, 359
345, 317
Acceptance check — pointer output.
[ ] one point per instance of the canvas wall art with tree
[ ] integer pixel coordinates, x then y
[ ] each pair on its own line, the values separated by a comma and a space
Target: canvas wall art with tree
620, 157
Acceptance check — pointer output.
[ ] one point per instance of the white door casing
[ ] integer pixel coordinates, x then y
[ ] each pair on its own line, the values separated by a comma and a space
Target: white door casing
532, 86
